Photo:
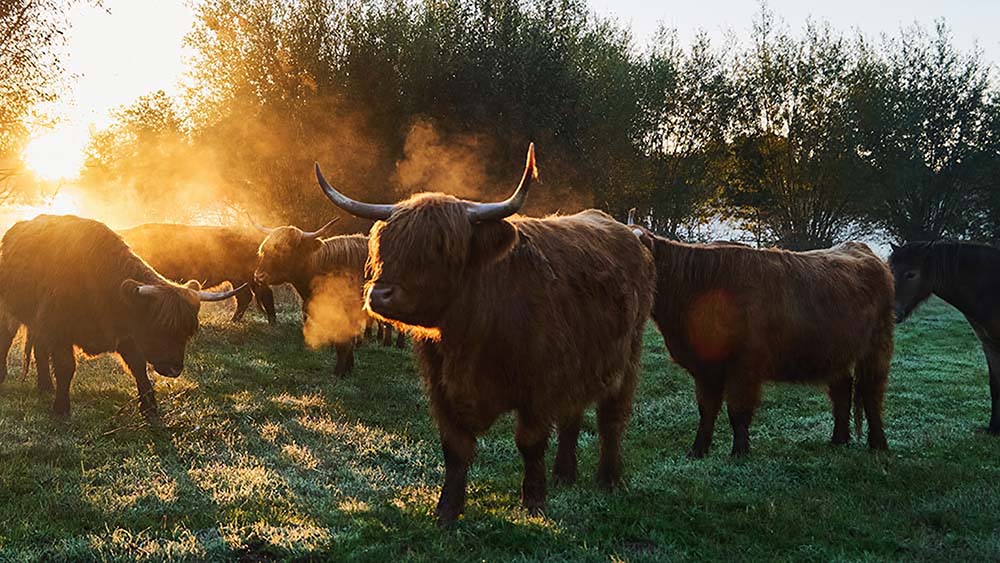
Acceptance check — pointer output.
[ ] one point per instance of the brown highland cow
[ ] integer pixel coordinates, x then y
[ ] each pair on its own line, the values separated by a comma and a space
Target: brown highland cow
76, 284
542, 317
328, 274
735, 317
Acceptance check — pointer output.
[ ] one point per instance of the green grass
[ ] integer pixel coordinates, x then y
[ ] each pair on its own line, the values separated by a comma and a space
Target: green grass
261, 456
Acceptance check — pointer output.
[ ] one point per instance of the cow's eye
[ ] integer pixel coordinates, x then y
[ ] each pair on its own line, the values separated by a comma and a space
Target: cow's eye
911, 274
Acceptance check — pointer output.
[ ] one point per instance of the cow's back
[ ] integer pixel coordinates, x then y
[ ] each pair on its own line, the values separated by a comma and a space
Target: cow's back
803, 315
209, 254
63, 274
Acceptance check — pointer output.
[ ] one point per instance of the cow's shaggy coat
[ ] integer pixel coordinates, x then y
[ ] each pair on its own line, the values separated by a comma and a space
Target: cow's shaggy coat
735, 317
75, 284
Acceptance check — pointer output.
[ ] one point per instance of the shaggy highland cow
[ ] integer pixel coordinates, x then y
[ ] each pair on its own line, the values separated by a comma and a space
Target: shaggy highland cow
542, 317
328, 274
735, 317
76, 284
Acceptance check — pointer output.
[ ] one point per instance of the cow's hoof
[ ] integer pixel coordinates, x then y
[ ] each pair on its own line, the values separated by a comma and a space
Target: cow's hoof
535, 508
840, 440
564, 477
697, 453
738, 452
878, 444
993, 429
446, 516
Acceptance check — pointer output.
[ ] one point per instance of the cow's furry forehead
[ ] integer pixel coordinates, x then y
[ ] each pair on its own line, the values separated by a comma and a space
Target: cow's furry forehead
424, 229
281, 240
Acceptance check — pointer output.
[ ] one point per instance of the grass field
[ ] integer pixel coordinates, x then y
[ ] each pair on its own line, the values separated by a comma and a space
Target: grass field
260, 456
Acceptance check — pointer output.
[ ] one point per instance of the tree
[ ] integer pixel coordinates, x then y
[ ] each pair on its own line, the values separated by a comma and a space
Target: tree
31, 33
928, 135
795, 177
687, 100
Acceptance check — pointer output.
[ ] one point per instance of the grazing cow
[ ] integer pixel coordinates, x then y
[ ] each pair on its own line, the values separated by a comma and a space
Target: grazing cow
210, 254
735, 317
75, 283
543, 317
967, 276
328, 275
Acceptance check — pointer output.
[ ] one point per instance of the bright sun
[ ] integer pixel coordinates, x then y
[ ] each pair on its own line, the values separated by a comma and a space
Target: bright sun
56, 154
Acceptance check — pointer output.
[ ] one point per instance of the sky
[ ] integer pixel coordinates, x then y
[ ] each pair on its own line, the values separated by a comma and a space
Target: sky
128, 48
972, 21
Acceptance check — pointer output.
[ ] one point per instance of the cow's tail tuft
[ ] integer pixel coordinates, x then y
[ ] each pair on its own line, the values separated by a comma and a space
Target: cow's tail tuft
859, 412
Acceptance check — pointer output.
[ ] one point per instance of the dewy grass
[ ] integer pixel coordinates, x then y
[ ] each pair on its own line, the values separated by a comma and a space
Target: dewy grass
262, 456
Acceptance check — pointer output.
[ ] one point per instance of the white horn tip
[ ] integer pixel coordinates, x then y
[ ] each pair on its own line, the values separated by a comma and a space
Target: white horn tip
530, 165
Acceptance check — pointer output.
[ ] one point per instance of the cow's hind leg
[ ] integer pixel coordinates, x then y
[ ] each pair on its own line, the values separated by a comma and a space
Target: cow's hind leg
532, 439
565, 470
742, 396
840, 397
708, 391
400, 339
64, 364
386, 335
613, 413
136, 363
871, 374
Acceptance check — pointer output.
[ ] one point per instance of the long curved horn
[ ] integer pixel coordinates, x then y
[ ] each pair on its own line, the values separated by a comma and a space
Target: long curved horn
209, 296
318, 233
493, 211
257, 226
373, 211
631, 217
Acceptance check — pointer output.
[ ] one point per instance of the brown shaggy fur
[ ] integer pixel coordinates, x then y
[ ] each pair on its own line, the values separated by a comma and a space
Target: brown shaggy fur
210, 254
735, 317
542, 317
285, 256
74, 283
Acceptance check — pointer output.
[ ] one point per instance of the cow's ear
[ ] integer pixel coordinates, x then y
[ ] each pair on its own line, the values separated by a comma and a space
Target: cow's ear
130, 291
492, 240
644, 237
313, 244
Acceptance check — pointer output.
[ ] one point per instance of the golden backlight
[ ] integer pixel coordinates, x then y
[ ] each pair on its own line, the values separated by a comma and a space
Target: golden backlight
56, 154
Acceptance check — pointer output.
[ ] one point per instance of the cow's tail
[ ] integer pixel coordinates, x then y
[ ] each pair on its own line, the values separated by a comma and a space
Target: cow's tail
859, 410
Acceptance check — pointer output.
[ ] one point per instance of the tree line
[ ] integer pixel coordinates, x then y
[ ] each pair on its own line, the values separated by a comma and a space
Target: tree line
800, 138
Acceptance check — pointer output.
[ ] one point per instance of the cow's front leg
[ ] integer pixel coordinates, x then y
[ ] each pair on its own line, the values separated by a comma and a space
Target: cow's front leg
135, 360
459, 447
64, 364
708, 390
993, 364
532, 439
